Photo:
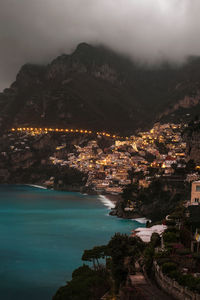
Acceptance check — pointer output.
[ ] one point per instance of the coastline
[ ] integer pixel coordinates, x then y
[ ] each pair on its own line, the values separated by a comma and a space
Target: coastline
106, 201
113, 198
37, 186
141, 220
109, 200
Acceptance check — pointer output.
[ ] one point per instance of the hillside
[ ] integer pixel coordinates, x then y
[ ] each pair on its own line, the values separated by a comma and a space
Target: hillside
95, 88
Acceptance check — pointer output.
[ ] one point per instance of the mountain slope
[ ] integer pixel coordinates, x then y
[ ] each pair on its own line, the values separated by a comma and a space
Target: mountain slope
95, 88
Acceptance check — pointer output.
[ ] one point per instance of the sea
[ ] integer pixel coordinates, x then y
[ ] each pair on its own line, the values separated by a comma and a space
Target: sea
43, 234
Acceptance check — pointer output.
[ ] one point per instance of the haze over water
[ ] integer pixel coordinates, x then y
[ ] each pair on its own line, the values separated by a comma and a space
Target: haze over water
43, 235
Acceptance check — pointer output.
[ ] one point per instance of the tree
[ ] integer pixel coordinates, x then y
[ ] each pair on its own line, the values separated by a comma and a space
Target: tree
93, 255
86, 284
120, 247
131, 173
190, 166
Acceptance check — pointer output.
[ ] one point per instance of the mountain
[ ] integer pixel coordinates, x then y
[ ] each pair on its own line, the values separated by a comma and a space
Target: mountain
95, 88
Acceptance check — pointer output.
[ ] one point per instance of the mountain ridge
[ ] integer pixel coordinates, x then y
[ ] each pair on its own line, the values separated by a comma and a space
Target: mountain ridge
95, 88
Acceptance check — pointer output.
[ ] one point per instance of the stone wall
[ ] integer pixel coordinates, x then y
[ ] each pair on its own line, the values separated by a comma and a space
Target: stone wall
172, 287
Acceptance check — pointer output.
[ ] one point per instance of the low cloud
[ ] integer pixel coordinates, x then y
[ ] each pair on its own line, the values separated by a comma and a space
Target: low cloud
149, 31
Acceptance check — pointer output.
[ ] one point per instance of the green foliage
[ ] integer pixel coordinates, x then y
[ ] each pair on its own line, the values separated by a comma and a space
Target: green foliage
148, 258
196, 256
155, 240
130, 192
184, 251
170, 237
190, 166
168, 267
150, 251
94, 254
174, 274
161, 147
120, 247
162, 260
190, 281
82, 271
86, 284
185, 237
170, 223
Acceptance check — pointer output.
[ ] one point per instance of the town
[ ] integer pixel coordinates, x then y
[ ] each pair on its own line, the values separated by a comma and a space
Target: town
110, 167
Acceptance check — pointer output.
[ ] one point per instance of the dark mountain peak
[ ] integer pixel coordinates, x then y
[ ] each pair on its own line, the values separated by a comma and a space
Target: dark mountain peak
83, 47
96, 88
28, 74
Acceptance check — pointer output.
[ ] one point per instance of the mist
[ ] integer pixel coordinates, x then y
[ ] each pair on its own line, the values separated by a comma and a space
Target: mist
149, 31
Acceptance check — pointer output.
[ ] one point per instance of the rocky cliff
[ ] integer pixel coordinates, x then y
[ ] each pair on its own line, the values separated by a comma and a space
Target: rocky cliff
95, 88
192, 138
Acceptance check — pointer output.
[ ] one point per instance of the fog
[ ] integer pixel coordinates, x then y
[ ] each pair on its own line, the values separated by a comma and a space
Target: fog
148, 31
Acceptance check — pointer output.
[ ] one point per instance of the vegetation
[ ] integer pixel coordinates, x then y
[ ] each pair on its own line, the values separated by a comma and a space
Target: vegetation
86, 284
149, 252
91, 283
155, 201
120, 248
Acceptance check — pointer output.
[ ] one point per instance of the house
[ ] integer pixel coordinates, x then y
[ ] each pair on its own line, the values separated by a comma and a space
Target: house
169, 161
195, 193
146, 233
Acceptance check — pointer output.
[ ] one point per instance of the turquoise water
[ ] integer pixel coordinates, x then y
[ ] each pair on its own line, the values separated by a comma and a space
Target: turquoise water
43, 234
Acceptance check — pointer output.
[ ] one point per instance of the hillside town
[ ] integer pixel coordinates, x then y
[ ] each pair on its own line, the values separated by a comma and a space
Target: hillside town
156, 153
151, 154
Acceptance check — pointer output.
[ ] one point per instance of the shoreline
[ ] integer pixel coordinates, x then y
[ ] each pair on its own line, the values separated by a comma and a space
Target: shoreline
108, 200
113, 198
37, 186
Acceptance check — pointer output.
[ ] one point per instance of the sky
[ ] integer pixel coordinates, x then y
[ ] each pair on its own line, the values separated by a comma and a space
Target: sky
149, 31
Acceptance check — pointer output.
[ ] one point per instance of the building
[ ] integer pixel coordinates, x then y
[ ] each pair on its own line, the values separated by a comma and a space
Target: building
146, 233
195, 193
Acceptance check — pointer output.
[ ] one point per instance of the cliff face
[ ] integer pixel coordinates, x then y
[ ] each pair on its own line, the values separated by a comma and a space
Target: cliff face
191, 136
193, 146
95, 88
187, 102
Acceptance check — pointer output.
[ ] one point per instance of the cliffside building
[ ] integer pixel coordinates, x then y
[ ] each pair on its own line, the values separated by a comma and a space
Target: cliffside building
195, 193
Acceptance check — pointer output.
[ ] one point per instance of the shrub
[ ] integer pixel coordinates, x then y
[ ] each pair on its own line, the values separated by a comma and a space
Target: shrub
184, 251
171, 229
162, 254
187, 280
155, 240
174, 275
196, 256
162, 260
148, 258
170, 223
169, 267
170, 237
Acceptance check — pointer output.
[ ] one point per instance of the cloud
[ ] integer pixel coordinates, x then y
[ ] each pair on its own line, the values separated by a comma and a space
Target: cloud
147, 30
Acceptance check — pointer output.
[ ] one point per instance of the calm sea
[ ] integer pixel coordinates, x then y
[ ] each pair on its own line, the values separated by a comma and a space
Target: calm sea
43, 234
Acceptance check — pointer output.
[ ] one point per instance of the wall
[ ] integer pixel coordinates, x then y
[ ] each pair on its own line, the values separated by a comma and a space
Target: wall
194, 193
172, 287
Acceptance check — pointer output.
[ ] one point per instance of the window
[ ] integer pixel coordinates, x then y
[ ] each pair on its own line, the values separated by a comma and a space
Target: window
196, 200
198, 188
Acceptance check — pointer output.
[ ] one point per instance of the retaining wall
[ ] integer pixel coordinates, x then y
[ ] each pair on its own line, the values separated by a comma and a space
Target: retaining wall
172, 287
